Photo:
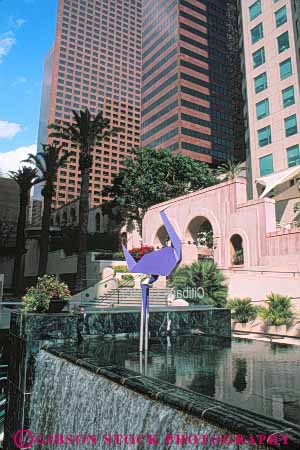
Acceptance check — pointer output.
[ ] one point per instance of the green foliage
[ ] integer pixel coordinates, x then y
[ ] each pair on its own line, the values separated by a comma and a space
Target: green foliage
122, 269
242, 310
85, 131
238, 258
47, 164
118, 256
25, 178
38, 298
201, 274
278, 311
126, 281
296, 207
152, 177
230, 170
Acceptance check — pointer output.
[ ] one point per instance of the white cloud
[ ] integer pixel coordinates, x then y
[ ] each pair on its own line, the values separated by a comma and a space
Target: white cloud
16, 23
11, 160
8, 130
7, 40
19, 80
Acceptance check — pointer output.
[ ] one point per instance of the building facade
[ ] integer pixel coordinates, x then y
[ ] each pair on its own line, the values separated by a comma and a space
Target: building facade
9, 210
96, 64
271, 42
191, 79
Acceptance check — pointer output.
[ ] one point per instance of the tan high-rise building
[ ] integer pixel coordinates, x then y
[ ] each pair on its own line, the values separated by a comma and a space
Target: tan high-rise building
95, 63
271, 48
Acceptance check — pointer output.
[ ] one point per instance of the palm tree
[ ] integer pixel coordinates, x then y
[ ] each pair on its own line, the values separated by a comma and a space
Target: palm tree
85, 131
47, 163
230, 170
25, 178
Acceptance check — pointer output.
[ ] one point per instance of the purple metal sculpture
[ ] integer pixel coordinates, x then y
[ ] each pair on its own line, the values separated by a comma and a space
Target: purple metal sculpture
160, 262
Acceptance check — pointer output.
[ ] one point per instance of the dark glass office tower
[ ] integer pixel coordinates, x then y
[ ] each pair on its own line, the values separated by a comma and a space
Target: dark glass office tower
191, 79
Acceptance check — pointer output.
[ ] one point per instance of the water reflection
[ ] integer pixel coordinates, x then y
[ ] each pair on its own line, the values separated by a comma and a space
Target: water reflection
261, 376
240, 380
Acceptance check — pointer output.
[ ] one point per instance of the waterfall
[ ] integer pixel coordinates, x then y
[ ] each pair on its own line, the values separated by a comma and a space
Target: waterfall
69, 400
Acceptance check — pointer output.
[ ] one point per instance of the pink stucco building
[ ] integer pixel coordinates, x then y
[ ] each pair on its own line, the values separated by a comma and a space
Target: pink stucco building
242, 236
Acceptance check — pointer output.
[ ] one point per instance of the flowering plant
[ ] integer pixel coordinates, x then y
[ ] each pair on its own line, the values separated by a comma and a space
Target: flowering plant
139, 252
38, 298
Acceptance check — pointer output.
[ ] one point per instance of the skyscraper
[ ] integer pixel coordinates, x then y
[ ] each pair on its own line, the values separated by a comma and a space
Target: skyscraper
95, 63
271, 42
191, 82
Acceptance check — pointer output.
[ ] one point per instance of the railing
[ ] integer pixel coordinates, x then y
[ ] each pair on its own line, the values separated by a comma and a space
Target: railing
262, 271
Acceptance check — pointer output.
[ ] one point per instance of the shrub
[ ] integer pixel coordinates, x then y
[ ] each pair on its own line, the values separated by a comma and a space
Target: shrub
126, 281
118, 256
38, 298
202, 274
122, 269
278, 311
242, 310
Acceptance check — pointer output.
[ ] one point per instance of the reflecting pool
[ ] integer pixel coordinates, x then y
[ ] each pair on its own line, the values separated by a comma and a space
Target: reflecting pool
258, 376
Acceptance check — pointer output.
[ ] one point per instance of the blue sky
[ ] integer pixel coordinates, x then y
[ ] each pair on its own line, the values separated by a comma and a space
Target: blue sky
27, 30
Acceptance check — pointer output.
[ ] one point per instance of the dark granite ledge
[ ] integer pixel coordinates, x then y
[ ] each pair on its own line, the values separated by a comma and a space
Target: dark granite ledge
169, 309
223, 415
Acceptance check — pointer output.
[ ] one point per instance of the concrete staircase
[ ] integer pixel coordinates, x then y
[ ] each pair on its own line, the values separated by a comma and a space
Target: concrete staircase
125, 297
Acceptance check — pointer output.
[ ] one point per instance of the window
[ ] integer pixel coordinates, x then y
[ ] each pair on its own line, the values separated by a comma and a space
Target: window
280, 16
257, 33
290, 125
266, 165
288, 96
285, 69
262, 109
283, 42
293, 155
255, 9
264, 136
258, 57
260, 82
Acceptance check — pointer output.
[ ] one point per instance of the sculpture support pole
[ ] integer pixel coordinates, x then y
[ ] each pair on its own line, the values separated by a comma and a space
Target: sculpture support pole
147, 330
142, 328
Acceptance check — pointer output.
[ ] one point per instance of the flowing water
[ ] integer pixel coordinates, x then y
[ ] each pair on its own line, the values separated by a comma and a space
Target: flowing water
68, 400
258, 376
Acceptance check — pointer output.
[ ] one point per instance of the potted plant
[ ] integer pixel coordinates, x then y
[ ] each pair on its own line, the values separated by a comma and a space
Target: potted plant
278, 313
242, 310
48, 296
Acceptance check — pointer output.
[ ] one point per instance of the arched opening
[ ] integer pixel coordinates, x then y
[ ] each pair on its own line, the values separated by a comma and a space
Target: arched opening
162, 238
124, 239
200, 233
73, 216
98, 222
64, 218
236, 250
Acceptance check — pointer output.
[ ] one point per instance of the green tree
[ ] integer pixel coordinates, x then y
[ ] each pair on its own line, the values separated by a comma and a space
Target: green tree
153, 176
202, 274
230, 170
26, 178
85, 131
47, 164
